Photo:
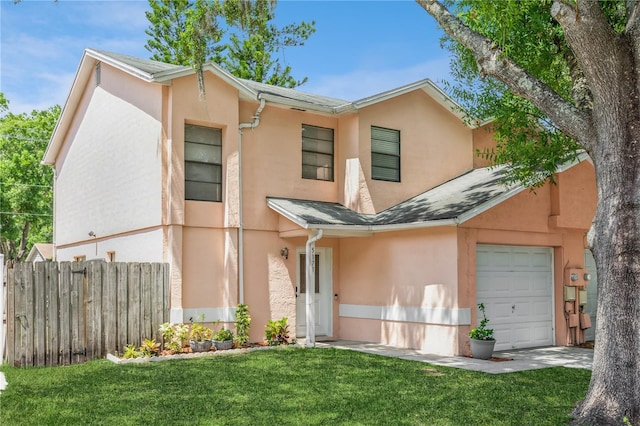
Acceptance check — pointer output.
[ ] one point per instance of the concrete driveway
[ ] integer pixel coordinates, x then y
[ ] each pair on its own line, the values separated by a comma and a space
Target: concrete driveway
514, 360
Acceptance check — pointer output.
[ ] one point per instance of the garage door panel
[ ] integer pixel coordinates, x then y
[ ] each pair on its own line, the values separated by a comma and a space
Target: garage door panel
497, 312
516, 286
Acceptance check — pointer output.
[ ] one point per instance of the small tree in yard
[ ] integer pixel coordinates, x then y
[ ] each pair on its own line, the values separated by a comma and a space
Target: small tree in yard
577, 65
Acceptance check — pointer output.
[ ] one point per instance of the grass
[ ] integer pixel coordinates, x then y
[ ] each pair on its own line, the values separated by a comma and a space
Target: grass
290, 386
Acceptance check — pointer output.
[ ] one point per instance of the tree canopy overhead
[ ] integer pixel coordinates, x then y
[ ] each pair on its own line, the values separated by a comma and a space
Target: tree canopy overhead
557, 76
239, 35
26, 192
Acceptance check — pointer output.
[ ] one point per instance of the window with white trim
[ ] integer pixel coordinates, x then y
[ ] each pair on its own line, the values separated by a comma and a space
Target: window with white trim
385, 154
317, 153
202, 163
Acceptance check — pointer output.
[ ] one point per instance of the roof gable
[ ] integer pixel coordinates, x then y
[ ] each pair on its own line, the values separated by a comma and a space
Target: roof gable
162, 73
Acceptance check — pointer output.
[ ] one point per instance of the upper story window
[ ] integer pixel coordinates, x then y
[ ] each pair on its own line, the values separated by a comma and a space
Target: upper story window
202, 163
385, 154
317, 153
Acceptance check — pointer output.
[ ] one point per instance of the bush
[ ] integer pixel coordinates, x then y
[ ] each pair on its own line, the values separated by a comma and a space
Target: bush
277, 332
243, 322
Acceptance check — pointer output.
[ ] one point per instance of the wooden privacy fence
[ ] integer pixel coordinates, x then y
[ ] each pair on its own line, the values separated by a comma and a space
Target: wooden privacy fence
71, 312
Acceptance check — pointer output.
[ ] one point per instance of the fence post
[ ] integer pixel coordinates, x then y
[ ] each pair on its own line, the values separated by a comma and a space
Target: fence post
3, 333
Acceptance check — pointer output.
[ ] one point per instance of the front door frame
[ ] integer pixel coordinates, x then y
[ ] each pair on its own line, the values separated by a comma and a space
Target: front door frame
325, 297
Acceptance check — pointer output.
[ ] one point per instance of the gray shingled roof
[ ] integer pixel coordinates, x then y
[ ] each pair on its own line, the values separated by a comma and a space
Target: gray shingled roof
145, 65
296, 95
453, 201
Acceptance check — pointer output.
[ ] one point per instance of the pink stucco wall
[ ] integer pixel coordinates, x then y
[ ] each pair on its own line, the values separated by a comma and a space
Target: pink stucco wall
434, 146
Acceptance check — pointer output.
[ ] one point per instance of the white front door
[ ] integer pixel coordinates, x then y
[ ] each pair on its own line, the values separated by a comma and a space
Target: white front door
323, 290
516, 286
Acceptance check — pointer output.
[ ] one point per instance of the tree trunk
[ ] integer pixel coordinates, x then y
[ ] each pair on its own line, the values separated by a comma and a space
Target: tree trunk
614, 391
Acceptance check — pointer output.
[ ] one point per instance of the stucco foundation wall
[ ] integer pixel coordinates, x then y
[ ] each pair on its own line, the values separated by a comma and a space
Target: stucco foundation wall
143, 246
401, 288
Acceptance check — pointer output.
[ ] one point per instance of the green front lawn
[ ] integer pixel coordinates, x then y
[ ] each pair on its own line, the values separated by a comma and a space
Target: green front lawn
289, 386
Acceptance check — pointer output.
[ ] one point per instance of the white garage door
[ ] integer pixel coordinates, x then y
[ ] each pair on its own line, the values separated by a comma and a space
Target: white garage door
516, 285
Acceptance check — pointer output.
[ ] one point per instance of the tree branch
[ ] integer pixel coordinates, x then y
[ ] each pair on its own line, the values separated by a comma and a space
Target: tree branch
492, 61
582, 24
633, 17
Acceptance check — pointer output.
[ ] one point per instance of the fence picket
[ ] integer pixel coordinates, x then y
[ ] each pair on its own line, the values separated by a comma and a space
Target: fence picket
109, 303
11, 316
146, 329
39, 325
65, 323
133, 320
122, 303
157, 299
94, 309
78, 313
53, 309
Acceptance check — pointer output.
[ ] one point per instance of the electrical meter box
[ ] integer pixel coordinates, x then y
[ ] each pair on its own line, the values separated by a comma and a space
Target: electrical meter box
569, 293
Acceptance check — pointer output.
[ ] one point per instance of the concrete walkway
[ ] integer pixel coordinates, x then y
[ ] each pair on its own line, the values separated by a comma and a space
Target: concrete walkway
519, 360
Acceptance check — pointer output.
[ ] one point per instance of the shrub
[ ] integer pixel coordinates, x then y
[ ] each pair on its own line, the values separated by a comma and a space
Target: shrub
149, 347
243, 322
130, 351
174, 336
223, 335
482, 332
277, 332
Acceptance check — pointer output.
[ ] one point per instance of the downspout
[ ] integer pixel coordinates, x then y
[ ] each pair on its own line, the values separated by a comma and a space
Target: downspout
252, 125
310, 251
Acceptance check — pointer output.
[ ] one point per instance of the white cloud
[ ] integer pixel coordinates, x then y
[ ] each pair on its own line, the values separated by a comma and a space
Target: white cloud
361, 83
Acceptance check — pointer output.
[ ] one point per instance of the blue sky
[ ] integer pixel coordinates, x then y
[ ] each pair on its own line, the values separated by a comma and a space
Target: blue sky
360, 48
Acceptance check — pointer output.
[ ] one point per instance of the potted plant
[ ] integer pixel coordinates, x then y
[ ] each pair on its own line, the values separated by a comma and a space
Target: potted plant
200, 337
223, 339
482, 341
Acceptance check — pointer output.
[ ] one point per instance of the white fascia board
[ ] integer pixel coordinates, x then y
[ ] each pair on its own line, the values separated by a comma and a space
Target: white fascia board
415, 225
292, 103
389, 94
582, 156
136, 72
430, 88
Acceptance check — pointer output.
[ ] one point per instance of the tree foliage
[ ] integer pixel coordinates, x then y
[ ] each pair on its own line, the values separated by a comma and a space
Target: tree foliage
525, 32
26, 192
239, 35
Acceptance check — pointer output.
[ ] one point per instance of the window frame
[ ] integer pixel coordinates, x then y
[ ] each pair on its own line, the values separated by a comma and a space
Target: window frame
330, 169
398, 156
217, 196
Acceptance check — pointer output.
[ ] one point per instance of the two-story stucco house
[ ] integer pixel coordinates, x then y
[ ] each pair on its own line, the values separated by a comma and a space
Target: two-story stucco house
244, 189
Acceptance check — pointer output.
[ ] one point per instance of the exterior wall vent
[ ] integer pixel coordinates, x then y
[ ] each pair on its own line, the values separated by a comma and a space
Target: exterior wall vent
98, 74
